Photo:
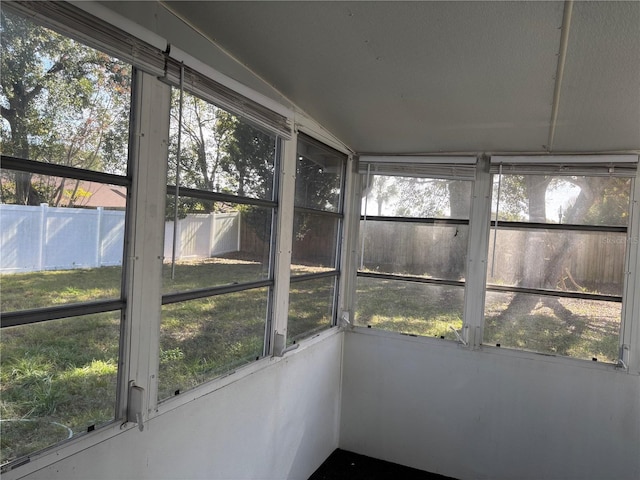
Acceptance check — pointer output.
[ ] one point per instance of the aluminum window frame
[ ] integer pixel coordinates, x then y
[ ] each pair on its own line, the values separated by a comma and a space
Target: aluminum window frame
618, 166
79, 309
339, 215
216, 196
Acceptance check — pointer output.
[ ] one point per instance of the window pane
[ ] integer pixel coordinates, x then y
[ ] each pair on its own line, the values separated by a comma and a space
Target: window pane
217, 244
562, 199
67, 104
220, 152
590, 262
427, 250
202, 339
56, 255
310, 307
318, 177
415, 197
409, 307
315, 239
564, 326
58, 378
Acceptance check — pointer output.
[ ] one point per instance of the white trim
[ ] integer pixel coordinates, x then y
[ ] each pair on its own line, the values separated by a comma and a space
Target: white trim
144, 265
117, 20
431, 342
477, 252
411, 159
284, 237
563, 159
201, 67
631, 303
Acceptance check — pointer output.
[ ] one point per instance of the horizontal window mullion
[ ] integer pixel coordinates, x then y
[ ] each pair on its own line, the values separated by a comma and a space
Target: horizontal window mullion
312, 276
409, 278
427, 221
213, 291
220, 197
554, 293
25, 317
313, 211
55, 170
557, 226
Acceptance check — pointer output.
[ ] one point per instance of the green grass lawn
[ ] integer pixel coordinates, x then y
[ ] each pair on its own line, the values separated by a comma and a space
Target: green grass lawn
62, 374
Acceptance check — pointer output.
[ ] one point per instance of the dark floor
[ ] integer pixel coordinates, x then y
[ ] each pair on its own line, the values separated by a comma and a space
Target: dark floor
343, 465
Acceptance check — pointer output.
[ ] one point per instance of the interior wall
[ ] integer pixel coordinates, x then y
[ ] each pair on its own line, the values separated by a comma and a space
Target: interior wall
280, 422
492, 414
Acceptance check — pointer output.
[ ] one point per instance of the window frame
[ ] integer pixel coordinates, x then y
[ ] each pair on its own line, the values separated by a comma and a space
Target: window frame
215, 196
622, 166
432, 167
79, 309
481, 222
339, 216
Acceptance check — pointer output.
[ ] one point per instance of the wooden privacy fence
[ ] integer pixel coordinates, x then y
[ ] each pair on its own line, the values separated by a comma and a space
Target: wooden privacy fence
595, 259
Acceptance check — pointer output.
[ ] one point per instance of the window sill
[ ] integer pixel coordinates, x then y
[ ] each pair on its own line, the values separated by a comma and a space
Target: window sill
491, 350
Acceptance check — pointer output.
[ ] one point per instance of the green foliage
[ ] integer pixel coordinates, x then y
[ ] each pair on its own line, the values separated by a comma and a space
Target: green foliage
611, 206
219, 152
62, 103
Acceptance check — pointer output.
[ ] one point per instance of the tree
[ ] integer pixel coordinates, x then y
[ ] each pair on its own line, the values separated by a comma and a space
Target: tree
249, 157
61, 103
588, 207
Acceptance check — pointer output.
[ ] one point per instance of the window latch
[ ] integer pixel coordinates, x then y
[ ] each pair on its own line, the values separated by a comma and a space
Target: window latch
279, 346
134, 407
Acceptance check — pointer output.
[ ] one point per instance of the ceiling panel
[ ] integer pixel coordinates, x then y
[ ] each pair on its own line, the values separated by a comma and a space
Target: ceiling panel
410, 77
600, 96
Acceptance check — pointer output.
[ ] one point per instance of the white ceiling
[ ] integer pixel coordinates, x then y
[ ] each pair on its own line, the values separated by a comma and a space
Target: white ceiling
424, 77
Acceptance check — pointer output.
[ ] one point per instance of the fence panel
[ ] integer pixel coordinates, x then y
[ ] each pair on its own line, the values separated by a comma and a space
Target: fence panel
70, 238
225, 233
203, 236
596, 261
111, 238
20, 238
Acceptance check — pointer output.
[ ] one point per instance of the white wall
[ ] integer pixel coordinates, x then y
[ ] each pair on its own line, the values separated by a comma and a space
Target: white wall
280, 422
493, 414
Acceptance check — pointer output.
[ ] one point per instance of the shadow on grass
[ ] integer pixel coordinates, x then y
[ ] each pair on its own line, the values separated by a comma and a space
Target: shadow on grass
576, 328
409, 307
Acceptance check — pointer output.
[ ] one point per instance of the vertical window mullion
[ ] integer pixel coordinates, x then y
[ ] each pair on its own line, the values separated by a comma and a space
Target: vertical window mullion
349, 258
275, 239
284, 240
630, 331
144, 263
474, 294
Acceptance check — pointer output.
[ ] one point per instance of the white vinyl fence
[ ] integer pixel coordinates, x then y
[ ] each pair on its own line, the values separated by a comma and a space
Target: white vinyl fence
203, 235
34, 238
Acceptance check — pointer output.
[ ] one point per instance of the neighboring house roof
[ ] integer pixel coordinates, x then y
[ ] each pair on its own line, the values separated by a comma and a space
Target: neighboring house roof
93, 194
82, 193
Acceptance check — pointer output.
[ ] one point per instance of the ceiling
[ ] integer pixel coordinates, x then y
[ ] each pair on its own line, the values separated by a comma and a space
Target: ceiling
427, 77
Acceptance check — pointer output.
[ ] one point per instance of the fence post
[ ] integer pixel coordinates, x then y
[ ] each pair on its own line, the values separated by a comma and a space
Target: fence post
99, 237
212, 234
43, 235
238, 218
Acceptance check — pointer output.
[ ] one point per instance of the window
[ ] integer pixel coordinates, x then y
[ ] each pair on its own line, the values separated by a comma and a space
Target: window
217, 273
64, 190
413, 245
554, 237
315, 255
556, 264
